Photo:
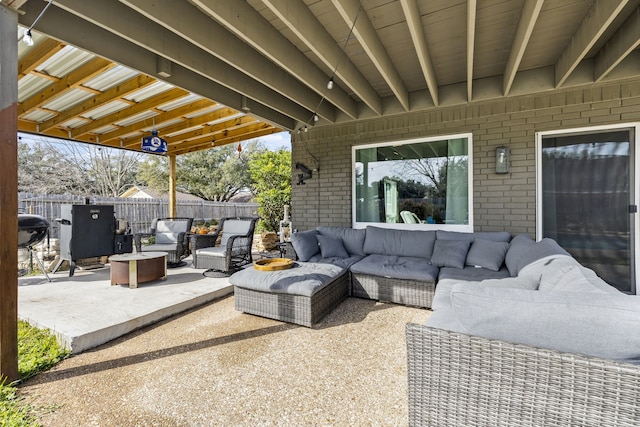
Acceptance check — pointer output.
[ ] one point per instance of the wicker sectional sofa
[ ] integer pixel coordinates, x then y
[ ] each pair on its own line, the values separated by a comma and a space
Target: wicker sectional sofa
402, 266
552, 345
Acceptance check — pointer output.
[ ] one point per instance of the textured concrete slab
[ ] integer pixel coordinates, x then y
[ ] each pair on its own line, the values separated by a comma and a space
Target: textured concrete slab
85, 311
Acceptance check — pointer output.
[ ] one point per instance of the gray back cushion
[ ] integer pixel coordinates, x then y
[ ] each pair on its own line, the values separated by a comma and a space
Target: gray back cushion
592, 324
233, 227
494, 236
352, 238
305, 243
385, 241
487, 254
565, 274
518, 247
450, 253
167, 231
331, 246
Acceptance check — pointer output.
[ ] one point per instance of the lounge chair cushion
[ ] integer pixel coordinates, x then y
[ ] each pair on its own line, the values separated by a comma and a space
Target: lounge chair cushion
592, 324
450, 253
168, 231
218, 251
397, 267
233, 227
352, 238
302, 279
331, 247
487, 254
409, 243
165, 247
305, 243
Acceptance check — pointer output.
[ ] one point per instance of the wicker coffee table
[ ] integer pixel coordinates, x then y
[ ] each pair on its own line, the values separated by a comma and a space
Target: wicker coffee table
137, 268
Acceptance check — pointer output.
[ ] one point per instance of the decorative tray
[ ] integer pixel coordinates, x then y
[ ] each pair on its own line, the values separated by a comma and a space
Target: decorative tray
273, 264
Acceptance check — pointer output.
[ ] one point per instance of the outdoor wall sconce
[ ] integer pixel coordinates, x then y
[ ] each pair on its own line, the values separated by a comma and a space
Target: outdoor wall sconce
306, 173
502, 160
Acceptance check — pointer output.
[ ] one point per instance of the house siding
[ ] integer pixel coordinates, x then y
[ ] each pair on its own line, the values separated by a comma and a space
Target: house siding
500, 202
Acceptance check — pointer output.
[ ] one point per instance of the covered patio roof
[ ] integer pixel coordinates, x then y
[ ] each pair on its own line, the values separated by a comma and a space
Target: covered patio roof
215, 71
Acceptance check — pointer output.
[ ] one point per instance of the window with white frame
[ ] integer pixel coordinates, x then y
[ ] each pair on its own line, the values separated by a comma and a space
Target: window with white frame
420, 183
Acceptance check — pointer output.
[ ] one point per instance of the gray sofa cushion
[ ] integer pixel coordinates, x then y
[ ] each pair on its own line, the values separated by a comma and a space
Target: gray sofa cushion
384, 241
518, 247
565, 274
450, 253
471, 274
592, 324
331, 247
341, 262
305, 243
411, 268
487, 254
444, 317
494, 236
352, 238
542, 249
303, 279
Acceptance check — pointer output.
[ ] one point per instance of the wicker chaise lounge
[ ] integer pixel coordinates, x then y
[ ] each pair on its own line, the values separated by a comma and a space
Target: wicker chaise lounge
462, 380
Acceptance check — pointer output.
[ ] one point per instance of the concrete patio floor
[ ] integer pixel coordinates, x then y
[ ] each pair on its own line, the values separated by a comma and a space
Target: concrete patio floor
85, 311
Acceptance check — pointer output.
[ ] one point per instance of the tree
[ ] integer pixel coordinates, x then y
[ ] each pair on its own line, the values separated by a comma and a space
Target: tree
271, 175
153, 172
217, 174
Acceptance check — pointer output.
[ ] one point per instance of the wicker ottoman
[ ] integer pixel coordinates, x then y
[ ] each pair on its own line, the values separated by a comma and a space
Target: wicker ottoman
303, 294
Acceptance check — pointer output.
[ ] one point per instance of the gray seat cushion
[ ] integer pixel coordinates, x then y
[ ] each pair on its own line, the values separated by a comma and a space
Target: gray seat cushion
303, 279
396, 267
339, 261
471, 274
592, 324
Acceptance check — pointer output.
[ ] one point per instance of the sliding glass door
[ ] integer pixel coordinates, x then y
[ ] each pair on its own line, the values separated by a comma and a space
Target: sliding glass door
586, 199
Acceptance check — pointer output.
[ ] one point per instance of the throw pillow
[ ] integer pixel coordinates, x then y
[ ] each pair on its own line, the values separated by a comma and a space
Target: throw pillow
450, 253
331, 247
305, 244
487, 254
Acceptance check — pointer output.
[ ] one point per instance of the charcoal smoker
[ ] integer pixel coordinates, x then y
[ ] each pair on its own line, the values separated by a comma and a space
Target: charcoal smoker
88, 231
32, 229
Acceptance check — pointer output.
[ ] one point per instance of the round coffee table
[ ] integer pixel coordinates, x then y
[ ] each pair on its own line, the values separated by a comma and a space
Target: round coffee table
137, 268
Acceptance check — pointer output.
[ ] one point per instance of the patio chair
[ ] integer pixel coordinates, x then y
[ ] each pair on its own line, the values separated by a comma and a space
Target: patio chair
234, 250
171, 236
410, 218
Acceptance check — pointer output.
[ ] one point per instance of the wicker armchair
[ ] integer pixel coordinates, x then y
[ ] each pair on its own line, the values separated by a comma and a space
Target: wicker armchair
234, 251
463, 380
171, 236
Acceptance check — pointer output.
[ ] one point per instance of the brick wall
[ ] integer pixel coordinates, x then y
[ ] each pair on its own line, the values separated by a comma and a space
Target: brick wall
500, 202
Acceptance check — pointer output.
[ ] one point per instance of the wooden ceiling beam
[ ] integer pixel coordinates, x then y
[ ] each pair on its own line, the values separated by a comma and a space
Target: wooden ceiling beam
355, 17
227, 140
156, 121
598, 19
414, 22
211, 129
116, 92
164, 97
38, 55
187, 21
304, 24
471, 46
528, 19
72, 80
619, 46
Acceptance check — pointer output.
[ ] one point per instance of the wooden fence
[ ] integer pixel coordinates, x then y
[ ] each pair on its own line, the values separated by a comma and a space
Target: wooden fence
139, 212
